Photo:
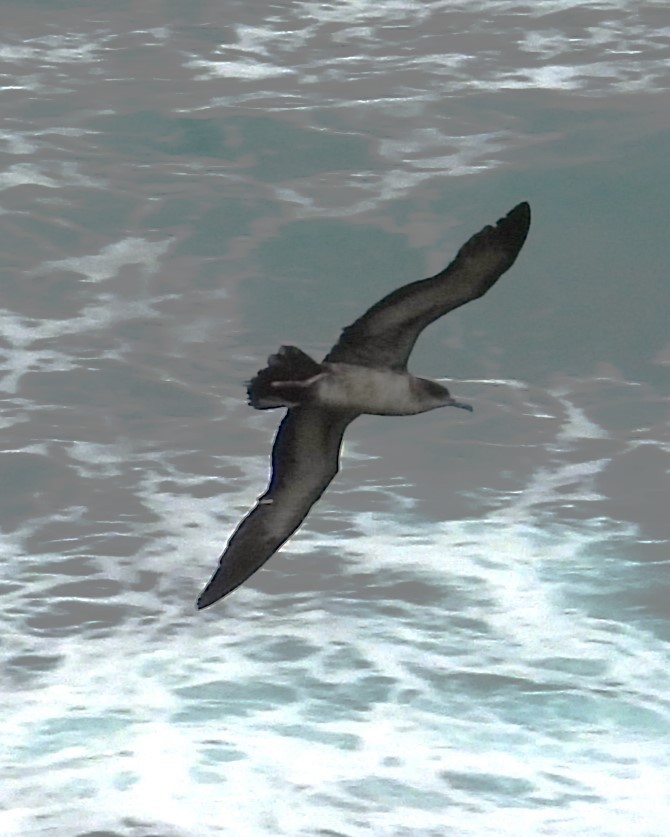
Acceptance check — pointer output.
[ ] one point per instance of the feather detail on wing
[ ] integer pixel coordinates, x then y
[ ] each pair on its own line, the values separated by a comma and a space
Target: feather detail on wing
305, 459
385, 335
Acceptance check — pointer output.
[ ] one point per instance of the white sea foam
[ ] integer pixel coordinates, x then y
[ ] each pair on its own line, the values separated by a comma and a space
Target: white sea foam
468, 634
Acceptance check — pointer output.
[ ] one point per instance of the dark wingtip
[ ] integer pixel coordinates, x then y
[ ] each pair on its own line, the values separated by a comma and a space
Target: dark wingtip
212, 591
522, 208
206, 598
509, 232
515, 224
219, 585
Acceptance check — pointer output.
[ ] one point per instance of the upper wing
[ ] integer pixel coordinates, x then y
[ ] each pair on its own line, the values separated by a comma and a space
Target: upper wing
305, 459
385, 335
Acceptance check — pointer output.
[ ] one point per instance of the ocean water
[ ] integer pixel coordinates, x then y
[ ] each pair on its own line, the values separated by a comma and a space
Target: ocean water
470, 633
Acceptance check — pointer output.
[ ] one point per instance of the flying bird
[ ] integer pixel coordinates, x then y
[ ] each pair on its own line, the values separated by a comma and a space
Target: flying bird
364, 372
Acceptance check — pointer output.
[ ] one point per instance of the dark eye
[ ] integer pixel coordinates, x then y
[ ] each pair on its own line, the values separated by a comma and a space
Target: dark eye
437, 390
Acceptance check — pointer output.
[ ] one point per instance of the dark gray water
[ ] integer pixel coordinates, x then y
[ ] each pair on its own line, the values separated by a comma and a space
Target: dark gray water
469, 635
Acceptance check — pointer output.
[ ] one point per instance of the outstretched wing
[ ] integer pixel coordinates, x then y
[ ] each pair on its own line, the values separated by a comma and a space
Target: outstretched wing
385, 335
305, 459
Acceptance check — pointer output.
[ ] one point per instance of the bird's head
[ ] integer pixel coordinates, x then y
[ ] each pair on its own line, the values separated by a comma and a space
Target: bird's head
439, 396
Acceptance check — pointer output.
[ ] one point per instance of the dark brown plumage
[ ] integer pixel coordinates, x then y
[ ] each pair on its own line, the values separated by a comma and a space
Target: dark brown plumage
306, 448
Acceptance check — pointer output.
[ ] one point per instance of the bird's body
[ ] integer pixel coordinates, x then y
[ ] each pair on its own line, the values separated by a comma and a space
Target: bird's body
362, 389
365, 372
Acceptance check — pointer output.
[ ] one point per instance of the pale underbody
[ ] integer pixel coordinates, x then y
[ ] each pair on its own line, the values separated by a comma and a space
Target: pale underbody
380, 392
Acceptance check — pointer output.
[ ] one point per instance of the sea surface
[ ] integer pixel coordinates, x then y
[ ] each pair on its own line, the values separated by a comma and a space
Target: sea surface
470, 634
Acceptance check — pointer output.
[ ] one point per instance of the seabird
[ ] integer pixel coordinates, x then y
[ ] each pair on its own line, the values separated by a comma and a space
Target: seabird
364, 372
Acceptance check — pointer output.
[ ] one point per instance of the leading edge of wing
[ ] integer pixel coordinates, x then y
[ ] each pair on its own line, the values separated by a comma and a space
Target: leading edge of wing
305, 458
386, 333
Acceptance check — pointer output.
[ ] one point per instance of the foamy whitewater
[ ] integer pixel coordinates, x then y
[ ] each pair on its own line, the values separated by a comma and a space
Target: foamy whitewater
469, 635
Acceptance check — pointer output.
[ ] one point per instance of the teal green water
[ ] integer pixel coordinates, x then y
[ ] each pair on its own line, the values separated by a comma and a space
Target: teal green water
469, 634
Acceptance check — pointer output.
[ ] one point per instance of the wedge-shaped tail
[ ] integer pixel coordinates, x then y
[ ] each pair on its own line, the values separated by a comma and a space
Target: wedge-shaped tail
285, 380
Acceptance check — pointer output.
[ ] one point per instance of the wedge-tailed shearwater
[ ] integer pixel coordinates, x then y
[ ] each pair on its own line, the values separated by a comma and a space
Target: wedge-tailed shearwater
364, 372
